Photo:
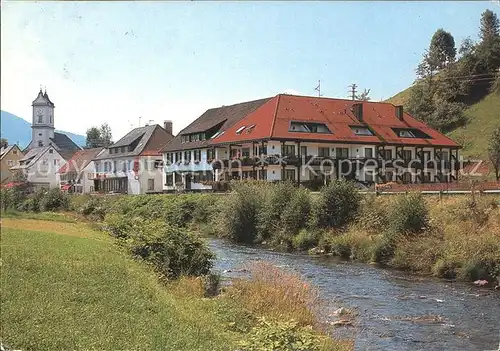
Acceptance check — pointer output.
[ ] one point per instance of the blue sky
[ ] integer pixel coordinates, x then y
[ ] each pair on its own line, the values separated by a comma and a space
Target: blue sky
116, 61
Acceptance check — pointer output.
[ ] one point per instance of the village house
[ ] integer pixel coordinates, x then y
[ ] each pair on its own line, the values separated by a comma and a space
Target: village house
9, 157
77, 175
48, 150
308, 139
133, 164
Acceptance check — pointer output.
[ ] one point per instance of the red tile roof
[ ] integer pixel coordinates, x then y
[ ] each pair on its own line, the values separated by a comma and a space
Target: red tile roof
80, 160
272, 121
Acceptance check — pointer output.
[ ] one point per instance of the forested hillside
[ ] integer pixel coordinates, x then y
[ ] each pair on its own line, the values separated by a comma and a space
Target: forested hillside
457, 91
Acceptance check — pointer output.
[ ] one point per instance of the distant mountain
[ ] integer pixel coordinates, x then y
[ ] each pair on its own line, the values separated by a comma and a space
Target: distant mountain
17, 130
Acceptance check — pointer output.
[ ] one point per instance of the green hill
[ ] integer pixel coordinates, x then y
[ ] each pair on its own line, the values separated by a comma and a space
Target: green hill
483, 117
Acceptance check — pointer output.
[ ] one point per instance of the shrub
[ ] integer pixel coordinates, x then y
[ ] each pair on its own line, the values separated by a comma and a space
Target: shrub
238, 214
373, 216
272, 335
383, 250
409, 214
444, 268
173, 251
54, 200
211, 284
305, 239
337, 205
93, 207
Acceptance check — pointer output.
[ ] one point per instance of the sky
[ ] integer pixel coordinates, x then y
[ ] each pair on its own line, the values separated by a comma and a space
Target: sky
127, 63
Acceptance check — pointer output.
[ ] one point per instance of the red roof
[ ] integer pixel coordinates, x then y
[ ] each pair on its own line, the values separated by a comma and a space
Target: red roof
80, 160
272, 121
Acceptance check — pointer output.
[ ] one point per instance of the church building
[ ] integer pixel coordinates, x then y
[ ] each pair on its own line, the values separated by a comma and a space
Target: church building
48, 150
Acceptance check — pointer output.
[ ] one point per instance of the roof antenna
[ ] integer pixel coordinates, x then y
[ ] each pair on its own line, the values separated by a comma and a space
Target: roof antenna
318, 89
140, 120
40, 88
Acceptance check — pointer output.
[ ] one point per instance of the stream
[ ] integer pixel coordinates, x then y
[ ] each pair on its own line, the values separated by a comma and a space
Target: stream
388, 302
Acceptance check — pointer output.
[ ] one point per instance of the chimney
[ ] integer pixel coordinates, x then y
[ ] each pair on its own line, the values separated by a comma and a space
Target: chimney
168, 126
357, 110
399, 112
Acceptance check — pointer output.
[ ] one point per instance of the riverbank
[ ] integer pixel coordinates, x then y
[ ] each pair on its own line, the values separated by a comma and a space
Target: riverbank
454, 237
65, 285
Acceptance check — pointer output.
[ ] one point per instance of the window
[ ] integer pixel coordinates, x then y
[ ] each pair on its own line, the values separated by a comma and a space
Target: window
97, 167
410, 133
169, 157
248, 130
262, 174
288, 150
307, 127
122, 150
178, 156
289, 174
14, 152
324, 152
426, 177
389, 176
106, 167
362, 131
303, 151
342, 152
39, 134
387, 154
114, 166
368, 152
124, 166
245, 152
239, 130
56, 162
406, 178
169, 180
187, 156
197, 155
407, 155
40, 143
369, 177
235, 153
426, 155
151, 184
51, 151
10, 163
40, 118
210, 154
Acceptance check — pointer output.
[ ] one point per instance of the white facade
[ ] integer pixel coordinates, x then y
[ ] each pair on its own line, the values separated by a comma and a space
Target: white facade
307, 171
42, 172
142, 174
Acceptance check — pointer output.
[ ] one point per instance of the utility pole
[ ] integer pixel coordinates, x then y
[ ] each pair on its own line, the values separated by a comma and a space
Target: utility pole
353, 91
318, 89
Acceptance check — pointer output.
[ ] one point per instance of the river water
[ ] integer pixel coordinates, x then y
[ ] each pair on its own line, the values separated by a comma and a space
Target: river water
388, 302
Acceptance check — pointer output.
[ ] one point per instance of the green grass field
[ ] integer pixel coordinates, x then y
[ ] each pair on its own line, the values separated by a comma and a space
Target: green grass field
66, 287
483, 117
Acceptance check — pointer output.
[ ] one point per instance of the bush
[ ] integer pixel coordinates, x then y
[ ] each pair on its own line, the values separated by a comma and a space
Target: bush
373, 216
305, 240
270, 335
173, 251
239, 214
93, 207
337, 205
383, 250
409, 214
54, 200
444, 268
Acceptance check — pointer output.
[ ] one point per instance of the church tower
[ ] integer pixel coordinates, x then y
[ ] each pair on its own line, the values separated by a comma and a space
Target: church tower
43, 121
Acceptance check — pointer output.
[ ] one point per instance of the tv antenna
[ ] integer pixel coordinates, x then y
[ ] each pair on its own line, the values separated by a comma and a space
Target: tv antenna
318, 89
353, 91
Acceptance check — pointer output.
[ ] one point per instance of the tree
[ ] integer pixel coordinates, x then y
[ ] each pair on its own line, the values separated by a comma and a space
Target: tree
99, 136
442, 49
4, 143
490, 27
494, 152
488, 49
364, 95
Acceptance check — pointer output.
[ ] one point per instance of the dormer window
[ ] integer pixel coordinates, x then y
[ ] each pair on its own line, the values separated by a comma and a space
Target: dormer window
361, 131
410, 133
309, 127
240, 129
